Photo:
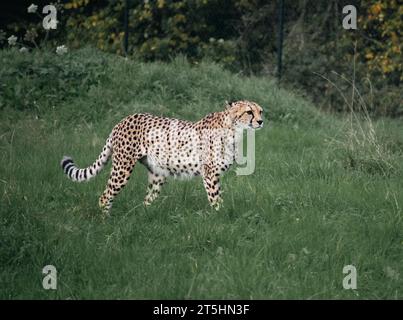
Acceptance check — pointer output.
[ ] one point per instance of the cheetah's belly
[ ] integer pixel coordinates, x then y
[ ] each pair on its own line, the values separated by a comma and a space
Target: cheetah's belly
176, 167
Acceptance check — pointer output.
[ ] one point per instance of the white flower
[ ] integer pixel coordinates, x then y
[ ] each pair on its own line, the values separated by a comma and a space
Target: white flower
23, 49
61, 49
32, 8
12, 40
220, 40
52, 24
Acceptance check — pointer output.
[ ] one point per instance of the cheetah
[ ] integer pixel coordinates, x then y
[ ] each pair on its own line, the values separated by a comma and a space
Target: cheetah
170, 147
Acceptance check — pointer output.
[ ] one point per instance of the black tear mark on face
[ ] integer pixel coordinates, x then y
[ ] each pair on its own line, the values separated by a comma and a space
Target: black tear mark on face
250, 113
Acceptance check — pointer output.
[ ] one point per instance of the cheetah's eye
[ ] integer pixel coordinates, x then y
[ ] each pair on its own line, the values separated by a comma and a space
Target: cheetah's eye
249, 112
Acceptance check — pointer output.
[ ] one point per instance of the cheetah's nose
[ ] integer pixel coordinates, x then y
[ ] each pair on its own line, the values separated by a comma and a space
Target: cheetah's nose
260, 122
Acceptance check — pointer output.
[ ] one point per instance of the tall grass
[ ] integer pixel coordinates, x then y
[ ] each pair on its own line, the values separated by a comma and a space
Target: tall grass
358, 140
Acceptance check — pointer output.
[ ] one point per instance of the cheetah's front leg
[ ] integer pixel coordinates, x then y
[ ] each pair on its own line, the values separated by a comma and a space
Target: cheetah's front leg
211, 181
155, 182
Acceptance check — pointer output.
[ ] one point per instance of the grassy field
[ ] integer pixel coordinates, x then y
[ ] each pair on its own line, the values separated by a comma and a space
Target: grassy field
326, 192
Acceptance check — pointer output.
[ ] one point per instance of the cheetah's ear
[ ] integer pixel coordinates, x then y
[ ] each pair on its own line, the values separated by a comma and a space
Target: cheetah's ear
232, 113
228, 104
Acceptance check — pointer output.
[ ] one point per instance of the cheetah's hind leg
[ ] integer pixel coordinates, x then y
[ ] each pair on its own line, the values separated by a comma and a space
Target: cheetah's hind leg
155, 181
118, 178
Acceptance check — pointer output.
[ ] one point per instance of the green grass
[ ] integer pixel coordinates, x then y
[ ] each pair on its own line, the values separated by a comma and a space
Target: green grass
286, 231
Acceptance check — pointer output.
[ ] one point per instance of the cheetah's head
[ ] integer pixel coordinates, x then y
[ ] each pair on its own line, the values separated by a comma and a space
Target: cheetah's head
245, 114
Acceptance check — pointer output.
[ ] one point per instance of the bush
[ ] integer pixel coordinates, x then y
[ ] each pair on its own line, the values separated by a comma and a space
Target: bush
40, 80
318, 53
158, 29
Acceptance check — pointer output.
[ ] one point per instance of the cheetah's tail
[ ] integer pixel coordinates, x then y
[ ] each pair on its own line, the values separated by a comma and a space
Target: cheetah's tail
80, 175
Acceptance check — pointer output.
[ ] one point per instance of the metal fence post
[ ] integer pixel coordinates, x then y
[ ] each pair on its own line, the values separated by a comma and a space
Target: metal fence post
280, 39
126, 27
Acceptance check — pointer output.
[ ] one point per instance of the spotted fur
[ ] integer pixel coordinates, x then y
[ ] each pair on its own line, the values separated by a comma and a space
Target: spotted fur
170, 147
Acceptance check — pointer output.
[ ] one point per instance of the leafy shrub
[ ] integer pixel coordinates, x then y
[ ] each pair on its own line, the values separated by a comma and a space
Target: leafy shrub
39, 80
158, 29
319, 52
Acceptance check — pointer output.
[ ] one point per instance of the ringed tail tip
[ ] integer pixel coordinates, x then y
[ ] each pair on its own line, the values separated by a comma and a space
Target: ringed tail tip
65, 163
